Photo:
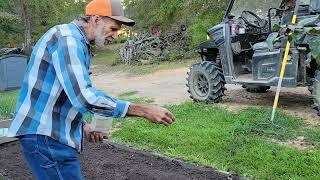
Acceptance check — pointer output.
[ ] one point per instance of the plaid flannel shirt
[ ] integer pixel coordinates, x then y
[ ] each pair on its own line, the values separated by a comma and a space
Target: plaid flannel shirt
57, 90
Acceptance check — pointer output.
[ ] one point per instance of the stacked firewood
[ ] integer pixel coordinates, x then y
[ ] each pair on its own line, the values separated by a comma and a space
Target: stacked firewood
148, 47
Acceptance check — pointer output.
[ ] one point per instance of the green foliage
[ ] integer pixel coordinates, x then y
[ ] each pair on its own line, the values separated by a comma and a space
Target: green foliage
199, 16
121, 39
10, 28
306, 31
209, 135
48, 13
168, 14
176, 55
44, 14
198, 30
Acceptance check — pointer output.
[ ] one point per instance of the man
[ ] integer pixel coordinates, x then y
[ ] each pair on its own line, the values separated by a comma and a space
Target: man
57, 91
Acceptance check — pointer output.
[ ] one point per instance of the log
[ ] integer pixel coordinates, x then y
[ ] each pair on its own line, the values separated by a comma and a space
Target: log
147, 46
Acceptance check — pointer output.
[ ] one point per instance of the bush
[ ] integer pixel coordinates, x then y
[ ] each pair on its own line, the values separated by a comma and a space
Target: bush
122, 39
175, 55
198, 30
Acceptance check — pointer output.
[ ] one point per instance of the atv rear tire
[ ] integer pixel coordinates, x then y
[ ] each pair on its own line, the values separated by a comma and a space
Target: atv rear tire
315, 92
256, 89
206, 82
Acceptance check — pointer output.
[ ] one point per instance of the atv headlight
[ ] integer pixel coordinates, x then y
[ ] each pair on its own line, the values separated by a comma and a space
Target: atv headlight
208, 36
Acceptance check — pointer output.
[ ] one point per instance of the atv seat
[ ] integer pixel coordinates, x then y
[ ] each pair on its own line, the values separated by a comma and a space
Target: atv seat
267, 45
261, 46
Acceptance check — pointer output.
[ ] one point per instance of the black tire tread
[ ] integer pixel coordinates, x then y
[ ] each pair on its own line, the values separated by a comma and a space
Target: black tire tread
216, 81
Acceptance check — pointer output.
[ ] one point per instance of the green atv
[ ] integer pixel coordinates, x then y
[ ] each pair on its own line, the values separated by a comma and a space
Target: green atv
246, 49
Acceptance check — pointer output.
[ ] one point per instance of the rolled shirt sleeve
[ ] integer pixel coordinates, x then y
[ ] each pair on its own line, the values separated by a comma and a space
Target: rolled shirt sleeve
69, 61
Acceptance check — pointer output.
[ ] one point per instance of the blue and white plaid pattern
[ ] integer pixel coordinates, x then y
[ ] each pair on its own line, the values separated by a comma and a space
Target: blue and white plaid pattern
57, 90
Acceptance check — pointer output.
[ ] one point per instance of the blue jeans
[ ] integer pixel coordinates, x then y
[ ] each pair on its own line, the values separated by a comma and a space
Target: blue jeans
49, 159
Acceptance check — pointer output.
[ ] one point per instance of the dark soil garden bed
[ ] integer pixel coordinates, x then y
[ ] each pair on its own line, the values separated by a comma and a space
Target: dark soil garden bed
112, 161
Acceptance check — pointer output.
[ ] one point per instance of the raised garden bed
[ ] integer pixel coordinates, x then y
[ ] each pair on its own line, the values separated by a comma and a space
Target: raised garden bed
112, 161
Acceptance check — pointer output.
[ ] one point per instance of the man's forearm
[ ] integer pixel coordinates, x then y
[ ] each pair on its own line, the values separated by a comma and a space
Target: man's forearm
139, 110
153, 113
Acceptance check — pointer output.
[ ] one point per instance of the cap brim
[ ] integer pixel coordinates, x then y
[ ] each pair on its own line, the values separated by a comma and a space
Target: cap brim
124, 20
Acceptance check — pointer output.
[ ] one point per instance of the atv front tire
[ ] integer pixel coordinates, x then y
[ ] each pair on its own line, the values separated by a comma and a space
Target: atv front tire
206, 82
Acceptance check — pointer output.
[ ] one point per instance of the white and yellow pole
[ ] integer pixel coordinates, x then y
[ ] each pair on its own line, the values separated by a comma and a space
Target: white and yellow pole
284, 65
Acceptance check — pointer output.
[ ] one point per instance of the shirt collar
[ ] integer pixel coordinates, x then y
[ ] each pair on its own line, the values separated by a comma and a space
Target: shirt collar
81, 29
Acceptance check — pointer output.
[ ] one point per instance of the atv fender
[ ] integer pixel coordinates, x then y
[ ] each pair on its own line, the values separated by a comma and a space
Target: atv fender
210, 44
208, 50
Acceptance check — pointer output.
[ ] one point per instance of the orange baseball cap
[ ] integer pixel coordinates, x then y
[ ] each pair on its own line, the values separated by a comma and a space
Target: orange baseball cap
110, 8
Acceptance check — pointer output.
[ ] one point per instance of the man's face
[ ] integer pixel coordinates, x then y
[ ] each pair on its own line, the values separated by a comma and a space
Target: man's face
106, 31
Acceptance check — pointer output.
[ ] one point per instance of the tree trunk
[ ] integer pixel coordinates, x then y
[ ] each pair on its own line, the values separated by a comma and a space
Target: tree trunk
25, 16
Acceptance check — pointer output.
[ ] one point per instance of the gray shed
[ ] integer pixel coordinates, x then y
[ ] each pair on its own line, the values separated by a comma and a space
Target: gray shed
12, 70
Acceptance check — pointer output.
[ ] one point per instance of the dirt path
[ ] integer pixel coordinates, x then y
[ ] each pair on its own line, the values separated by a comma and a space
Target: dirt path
168, 87
165, 87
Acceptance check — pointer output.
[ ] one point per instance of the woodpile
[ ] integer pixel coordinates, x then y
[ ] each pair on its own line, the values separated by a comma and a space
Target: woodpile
149, 47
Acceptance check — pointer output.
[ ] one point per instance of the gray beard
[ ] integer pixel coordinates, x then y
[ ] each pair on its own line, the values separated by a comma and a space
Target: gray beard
99, 41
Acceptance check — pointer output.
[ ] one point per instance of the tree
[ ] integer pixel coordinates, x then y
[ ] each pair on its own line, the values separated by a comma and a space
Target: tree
10, 29
17, 18
25, 15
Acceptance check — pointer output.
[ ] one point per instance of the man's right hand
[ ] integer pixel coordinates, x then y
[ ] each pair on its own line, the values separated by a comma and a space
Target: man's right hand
91, 136
153, 113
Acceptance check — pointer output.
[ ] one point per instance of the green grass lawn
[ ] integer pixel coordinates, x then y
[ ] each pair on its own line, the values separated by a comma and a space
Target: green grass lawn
109, 56
146, 69
234, 142
8, 103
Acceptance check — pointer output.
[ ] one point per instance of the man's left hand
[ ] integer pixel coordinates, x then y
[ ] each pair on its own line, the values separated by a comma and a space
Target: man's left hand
92, 136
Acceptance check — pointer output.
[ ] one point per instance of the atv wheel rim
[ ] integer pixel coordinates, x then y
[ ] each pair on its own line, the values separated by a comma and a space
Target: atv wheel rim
201, 85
